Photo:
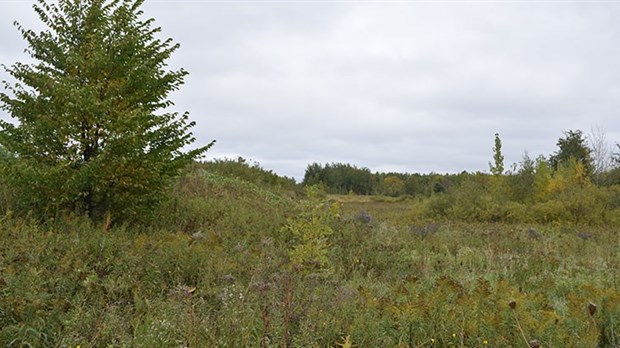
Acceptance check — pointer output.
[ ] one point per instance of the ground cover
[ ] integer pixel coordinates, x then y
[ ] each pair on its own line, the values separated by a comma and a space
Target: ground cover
235, 264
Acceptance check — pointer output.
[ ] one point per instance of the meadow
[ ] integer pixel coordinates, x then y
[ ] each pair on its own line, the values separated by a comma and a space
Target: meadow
250, 260
113, 235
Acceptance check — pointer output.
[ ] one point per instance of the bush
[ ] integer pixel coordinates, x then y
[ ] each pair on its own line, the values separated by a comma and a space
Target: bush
250, 172
437, 206
202, 201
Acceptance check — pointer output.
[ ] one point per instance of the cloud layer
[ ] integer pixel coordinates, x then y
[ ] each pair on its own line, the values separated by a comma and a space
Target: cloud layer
404, 86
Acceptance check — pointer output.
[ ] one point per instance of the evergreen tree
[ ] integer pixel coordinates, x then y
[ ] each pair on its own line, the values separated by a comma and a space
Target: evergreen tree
93, 134
573, 145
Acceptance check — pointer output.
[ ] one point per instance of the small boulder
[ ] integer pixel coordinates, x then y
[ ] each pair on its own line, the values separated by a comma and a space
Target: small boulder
533, 234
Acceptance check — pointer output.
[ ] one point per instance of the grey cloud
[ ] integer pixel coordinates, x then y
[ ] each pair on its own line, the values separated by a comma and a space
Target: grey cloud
391, 86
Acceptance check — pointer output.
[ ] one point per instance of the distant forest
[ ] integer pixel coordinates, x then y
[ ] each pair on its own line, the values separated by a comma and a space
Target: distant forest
578, 184
574, 150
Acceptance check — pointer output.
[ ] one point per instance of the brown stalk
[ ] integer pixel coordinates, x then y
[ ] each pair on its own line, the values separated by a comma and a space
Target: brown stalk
513, 308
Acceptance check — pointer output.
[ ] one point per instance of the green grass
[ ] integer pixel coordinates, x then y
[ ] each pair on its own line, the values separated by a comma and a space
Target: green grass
217, 270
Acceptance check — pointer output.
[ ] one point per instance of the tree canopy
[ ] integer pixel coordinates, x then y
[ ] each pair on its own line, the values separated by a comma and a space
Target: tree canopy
340, 178
93, 131
573, 145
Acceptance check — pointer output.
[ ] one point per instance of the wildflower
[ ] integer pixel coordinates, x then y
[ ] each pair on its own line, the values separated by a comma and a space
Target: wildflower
454, 335
432, 340
485, 342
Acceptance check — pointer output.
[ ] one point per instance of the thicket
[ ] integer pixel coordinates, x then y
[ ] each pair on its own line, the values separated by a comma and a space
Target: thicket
565, 196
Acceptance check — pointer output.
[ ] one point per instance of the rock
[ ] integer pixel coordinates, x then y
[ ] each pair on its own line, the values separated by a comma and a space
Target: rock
584, 235
533, 234
364, 217
198, 235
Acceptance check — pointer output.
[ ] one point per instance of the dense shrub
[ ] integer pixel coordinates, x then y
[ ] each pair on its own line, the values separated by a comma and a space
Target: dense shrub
562, 197
205, 201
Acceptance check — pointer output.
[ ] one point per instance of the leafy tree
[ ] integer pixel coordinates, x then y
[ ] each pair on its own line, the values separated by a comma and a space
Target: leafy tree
93, 134
314, 175
393, 186
416, 184
497, 168
340, 178
573, 145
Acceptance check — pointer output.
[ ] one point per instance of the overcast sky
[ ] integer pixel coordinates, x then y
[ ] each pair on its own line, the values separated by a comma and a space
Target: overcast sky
393, 86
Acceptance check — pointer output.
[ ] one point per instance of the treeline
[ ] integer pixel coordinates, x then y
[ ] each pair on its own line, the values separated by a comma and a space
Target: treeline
342, 178
568, 186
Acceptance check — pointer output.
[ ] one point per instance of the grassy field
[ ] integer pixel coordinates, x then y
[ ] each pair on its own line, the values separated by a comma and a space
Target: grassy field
235, 264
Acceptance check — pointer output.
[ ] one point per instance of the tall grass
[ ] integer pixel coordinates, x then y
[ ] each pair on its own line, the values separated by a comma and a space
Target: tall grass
231, 263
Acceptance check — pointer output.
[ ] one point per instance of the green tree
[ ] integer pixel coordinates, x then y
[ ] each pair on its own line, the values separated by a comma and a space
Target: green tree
314, 175
93, 132
340, 178
497, 167
393, 186
573, 145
